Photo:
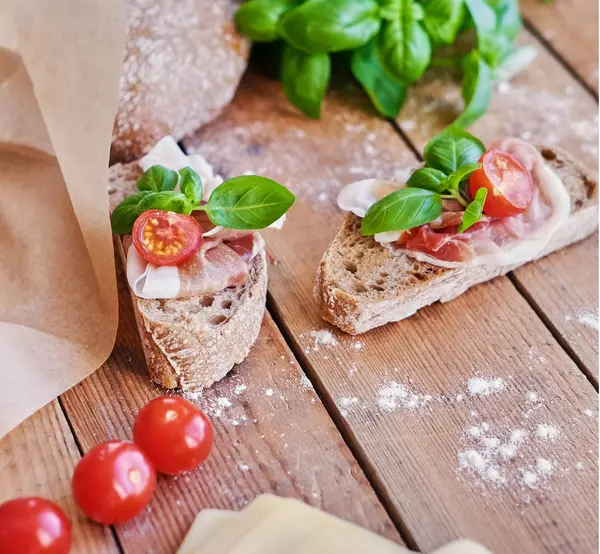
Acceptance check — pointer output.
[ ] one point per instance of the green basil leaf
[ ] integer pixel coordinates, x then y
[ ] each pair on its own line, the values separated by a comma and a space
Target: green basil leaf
157, 179
477, 87
508, 18
404, 46
190, 185
389, 9
428, 178
258, 19
385, 92
305, 79
451, 149
403, 209
454, 180
443, 19
168, 200
248, 202
323, 26
124, 215
496, 28
473, 211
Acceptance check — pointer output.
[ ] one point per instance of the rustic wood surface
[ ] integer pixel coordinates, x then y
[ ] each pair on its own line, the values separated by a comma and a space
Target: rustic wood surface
570, 27
272, 434
396, 412
411, 453
37, 459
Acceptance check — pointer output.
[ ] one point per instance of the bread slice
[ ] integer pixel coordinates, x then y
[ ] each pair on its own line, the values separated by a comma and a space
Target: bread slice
191, 343
361, 285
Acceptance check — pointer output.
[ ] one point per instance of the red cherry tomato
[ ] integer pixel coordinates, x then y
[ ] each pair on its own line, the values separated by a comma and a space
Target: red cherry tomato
113, 482
166, 238
33, 526
509, 186
174, 433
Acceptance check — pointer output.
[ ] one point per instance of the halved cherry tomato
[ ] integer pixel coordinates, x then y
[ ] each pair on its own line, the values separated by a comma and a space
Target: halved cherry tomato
166, 238
33, 526
113, 482
174, 433
509, 186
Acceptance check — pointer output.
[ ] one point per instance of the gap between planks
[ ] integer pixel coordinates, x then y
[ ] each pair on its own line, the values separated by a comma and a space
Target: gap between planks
343, 428
82, 453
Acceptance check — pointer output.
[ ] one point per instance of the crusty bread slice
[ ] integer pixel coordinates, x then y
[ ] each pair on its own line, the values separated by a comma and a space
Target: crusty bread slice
191, 343
361, 285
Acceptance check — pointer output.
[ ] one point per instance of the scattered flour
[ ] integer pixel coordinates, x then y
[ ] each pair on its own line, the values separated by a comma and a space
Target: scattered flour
239, 389
322, 337
346, 403
547, 432
223, 402
588, 413
305, 382
269, 392
544, 466
483, 387
397, 395
243, 467
533, 397
587, 319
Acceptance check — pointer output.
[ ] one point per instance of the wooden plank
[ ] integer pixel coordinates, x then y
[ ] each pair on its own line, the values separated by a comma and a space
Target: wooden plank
545, 105
490, 332
37, 459
272, 434
566, 291
571, 28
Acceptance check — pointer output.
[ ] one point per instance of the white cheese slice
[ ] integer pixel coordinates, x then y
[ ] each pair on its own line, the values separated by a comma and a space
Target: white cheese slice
150, 281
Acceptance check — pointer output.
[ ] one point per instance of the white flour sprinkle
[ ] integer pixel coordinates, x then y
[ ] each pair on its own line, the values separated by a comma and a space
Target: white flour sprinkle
397, 395
544, 466
239, 389
579, 465
322, 338
243, 467
587, 319
483, 387
346, 403
223, 402
546, 432
588, 413
305, 382
533, 397
269, 392
529, 478
357, 345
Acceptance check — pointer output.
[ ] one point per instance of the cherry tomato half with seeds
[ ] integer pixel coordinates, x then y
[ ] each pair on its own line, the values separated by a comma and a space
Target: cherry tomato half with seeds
509, 185
113, 482
174, 433
166, 238
33, 526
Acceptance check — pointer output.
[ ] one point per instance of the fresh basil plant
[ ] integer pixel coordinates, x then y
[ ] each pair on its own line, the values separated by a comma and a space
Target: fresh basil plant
248, 202
392, 43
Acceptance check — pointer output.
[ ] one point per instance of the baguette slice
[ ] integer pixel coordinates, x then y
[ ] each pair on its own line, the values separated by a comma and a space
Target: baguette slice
361, 285
193, 342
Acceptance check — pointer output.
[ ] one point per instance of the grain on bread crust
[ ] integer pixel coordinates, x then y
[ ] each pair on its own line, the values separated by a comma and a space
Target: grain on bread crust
361, 285
183, 62
190, 343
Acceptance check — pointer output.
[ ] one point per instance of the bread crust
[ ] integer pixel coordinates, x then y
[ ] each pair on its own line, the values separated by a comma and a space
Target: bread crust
361, 285
191, 343
183, 62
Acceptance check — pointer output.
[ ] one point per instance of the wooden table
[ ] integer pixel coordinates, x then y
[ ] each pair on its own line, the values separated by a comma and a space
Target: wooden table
380, 429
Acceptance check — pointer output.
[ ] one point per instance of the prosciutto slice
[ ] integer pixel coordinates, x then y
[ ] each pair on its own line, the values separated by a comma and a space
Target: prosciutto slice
216, 266
491, 241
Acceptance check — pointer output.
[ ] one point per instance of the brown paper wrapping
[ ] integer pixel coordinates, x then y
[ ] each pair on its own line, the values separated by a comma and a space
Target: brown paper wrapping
60, 64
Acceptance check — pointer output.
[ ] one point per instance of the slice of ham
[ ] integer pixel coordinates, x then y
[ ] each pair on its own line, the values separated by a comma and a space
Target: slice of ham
492, 241
216, 266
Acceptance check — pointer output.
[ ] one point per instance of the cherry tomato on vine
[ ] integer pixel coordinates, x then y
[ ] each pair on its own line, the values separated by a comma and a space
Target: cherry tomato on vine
113, 482
174, 433
33, 526
509, 186
166, 238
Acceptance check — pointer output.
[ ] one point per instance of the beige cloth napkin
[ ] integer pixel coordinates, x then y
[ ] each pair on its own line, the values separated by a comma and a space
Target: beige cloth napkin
60, 63
273, 525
